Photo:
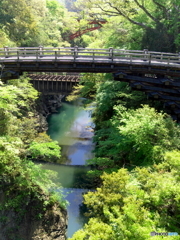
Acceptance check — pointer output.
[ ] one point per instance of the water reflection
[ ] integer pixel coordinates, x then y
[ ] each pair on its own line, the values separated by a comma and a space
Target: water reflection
72, 128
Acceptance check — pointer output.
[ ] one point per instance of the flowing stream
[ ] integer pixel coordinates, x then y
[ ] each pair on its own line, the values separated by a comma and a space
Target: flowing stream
72, 128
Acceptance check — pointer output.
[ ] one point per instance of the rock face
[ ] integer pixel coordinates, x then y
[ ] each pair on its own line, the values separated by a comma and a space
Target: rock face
46, 105
28, 224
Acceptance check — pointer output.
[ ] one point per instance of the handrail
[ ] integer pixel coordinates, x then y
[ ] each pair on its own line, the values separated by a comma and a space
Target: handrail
76, 54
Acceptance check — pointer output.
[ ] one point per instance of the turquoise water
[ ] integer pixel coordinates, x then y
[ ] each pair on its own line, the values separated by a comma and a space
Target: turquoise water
72, 128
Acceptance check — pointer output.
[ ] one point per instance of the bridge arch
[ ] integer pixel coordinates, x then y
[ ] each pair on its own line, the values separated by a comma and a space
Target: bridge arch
156, 73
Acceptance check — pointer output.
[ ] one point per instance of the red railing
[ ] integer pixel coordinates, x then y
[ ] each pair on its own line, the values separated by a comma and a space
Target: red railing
98, 25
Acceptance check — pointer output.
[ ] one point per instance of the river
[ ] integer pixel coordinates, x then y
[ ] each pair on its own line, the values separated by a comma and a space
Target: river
72, 128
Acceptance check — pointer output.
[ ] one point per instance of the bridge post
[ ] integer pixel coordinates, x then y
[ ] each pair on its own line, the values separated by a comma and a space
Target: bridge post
37, 53
56, 85
111, 53
2, 66
145, 51
145, 54
41, 51
55, 55
150, 59
24, 52
6, 50
17, 55
75, 52
43, 86
61, 85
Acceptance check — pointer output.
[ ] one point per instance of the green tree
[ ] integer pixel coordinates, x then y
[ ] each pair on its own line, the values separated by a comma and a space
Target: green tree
134, 137
110, 93
22, 183
19, 22
146, 134
130, 205
44, 151
4, 40
87, 86
158, 19
17, 118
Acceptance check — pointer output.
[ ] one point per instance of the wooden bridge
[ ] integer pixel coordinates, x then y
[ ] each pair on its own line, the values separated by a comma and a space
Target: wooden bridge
156, 73
89, 60
53, 83
92, 25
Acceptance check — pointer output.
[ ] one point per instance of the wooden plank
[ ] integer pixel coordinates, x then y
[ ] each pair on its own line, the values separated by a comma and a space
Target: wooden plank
159, 81
173, 92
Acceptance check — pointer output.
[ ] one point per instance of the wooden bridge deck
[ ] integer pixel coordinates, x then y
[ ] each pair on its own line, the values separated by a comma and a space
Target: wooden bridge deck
89, 60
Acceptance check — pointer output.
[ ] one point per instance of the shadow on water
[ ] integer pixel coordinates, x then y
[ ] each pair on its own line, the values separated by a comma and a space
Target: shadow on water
70, 176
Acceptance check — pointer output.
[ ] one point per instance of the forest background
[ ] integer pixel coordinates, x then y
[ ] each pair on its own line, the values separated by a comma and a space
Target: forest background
137, 157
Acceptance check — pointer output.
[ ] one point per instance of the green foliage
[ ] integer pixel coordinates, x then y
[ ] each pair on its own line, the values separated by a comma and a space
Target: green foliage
16, 100
147, 23
87, 87
35, 23
19, 22
4, 40
21, 181
128, 134
23, 174
55, 8
48, 151
130, 205
110, 93
134, 137
147, 133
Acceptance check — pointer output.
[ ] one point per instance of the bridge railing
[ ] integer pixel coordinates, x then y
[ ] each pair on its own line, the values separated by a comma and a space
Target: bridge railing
87, 54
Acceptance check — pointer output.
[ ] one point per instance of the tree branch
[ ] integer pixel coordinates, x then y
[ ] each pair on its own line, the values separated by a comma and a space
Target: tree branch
165, 11
118, 12
128, 18
146, 11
